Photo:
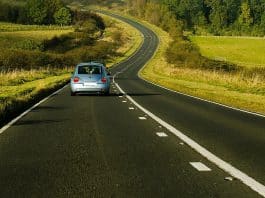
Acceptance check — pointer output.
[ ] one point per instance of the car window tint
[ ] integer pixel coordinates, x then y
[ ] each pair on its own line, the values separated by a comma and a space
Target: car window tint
89, 69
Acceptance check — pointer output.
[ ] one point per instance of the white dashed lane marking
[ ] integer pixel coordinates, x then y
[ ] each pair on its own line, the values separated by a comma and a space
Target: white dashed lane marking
161, 134
142, 118
200, 166
131, 108
124, 101
229, 179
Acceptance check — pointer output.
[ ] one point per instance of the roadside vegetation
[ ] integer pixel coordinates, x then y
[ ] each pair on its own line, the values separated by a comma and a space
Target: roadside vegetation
179, 64
243, 51
230, 88
37, 59
127, 38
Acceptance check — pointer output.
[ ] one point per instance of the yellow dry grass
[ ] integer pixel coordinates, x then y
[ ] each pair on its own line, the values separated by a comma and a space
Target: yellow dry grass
37, 34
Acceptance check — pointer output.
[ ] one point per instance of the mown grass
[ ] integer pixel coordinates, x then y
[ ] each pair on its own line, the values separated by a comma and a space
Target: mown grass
18, 39
233, 89
244, 51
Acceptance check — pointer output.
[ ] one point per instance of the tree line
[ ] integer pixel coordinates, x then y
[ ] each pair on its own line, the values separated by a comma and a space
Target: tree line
220, 17
40, 12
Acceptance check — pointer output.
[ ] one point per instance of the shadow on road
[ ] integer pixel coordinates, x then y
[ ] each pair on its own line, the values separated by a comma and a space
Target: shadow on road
35, 122
49, 108
117, 94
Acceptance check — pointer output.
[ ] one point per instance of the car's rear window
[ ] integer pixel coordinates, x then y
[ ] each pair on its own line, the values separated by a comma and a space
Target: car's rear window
89, 69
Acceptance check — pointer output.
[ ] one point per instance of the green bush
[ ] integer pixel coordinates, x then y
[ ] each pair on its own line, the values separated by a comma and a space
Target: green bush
183, 53
61, 42
25, 59
29, 44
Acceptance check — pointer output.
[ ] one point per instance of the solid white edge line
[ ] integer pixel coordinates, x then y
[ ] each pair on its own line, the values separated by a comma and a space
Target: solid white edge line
201, 99
194, 97
243, 177
4, 128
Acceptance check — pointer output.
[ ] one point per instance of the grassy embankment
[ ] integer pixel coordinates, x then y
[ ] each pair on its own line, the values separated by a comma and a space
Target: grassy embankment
242, 89
131, 39
233, 89
244, 51
20, 87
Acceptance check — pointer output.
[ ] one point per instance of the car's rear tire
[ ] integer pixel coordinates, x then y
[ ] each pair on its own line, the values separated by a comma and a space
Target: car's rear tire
73, 93
106, 93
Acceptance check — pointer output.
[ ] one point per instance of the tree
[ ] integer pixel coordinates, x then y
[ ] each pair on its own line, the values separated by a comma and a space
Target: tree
232, 8
62, 16
218, 14
262, 23
4, 9
152, 13
245, 18
36, 11
257, 9
52, 6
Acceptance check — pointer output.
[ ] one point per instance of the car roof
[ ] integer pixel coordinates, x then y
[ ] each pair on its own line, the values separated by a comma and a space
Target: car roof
90, 63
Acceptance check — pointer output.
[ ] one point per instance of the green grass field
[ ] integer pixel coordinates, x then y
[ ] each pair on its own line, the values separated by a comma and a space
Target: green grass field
232, 89
14, 36
11, 27
244, 51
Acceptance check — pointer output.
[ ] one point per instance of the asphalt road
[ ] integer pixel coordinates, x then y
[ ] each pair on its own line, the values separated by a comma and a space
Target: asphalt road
95, 146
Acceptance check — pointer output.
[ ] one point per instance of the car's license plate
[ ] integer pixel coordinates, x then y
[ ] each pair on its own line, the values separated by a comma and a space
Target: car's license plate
90, 84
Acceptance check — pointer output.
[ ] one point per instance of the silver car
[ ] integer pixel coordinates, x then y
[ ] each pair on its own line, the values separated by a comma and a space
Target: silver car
91, 77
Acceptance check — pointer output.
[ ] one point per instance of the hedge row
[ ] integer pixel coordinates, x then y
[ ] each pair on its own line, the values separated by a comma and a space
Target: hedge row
12, 59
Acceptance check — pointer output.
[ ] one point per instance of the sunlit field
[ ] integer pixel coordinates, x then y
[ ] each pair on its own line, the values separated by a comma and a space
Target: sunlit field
244, 51
233, 89
11, 27
15, 35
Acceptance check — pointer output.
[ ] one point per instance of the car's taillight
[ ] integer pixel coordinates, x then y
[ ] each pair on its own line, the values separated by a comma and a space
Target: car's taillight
76, 79
104, 80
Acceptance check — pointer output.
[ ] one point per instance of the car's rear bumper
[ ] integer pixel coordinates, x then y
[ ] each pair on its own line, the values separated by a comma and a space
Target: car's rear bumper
77, 88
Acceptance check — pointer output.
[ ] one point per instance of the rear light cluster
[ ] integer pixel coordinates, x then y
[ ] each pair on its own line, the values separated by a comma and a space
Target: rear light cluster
76, 79
104, 80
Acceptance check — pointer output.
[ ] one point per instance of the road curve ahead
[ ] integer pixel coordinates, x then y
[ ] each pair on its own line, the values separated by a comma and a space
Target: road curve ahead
96, 146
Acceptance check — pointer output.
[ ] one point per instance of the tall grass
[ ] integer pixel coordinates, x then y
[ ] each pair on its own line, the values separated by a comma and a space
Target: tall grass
21, 88
11, 27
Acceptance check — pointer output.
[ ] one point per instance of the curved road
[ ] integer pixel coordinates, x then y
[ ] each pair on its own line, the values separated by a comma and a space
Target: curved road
94, 146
